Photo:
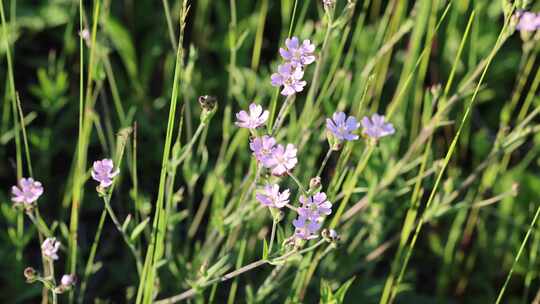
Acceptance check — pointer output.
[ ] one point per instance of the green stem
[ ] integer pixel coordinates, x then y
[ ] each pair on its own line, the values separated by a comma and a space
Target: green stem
283, 113
297, 182
93, 250
531, 226
118, 226
326, 158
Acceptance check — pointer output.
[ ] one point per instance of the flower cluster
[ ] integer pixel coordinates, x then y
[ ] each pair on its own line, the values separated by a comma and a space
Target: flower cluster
341, 128
297, 56
310, 215
103, 172
49, 250
276, 157
528, 21
282, 160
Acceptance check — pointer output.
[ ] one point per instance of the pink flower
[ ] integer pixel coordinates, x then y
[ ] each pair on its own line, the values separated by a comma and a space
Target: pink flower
528, 21
342, 126
282, 160
290, 77
68, 280
102, 172
376, 127
50, 247
298, 54
271, 197
262, 148
306, 228
27, 191
256, 117
314, 207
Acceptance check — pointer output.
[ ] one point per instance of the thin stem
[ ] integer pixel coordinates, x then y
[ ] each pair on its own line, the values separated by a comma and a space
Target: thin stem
189, 146
92, 256
282, 113
291, 207
272, 234
292, 18
25, 138
531, 226
50, 266
192, 292
326, 158
38, 222
118, 226
310, 248
297, 182
170, 27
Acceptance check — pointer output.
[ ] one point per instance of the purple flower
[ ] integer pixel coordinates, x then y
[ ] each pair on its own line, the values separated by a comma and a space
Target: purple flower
256, 117
376, 127
342, 126
27, 191
528, 21
298, 54
102, 172
290, 78
68, 280
262, 148
315, 207
282, 159
271, 197
50, 247
306, 228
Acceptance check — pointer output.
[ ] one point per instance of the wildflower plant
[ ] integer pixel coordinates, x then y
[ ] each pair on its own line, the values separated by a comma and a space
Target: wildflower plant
262, 153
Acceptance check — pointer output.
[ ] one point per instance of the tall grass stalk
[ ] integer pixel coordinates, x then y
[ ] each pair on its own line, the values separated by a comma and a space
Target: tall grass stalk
155, 250
447, 157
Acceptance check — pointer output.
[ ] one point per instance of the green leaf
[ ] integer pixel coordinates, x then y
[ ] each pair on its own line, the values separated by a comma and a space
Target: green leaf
122, 42
265, 250
137, 231
342, 290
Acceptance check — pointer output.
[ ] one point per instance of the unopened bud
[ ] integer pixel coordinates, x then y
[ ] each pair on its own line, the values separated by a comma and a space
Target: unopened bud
207, 102
330, 235
209, 106
315, 184
329, 4
203, 268
68, 280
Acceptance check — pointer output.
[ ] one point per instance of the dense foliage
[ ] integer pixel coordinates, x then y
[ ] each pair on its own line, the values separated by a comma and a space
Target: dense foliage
266, 151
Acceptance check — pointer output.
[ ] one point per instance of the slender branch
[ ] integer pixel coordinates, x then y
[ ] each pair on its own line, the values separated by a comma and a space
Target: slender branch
326, 158
118, 226
193, 291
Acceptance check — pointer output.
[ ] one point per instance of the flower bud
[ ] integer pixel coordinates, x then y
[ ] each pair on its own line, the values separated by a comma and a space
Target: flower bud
30, 274
330, 235
209, 105
329, 4
68, 280
315, 183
